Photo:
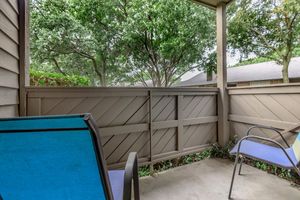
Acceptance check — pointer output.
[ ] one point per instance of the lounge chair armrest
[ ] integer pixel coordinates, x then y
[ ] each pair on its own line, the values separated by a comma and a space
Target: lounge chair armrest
131, 175
266, 140
268, 128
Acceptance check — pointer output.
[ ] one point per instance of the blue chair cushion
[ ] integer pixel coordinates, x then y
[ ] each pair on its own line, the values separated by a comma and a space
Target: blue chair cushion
49, 165
42, 123
267, 153
49, 158
116, 178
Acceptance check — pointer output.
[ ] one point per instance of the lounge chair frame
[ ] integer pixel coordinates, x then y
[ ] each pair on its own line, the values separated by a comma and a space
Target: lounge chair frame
131, 168
240, 156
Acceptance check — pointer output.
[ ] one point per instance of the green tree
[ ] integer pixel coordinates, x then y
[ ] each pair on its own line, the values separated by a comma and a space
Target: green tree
122, 40
51, 31
101, 18
70, 36
164, 39
266, 28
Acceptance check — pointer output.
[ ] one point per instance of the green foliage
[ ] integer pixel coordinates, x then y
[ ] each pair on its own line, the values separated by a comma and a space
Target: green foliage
144, 171
72, 38
220, 152
40, 78
283, 173
266, 28
214, 152
223, 152
255, 60
164, 39
121, 40
296, 51
252, 61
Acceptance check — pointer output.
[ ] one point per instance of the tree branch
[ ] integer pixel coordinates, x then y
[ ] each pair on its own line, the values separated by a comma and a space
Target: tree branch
57, 67
265, 41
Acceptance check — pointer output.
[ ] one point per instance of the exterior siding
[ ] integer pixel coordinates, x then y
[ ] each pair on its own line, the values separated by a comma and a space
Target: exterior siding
9, 58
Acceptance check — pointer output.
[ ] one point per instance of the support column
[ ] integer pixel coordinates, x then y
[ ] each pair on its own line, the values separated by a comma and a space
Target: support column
223, 124
23, 53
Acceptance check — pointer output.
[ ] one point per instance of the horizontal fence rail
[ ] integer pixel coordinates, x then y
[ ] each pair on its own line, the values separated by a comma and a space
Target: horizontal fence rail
276, 105
157, 123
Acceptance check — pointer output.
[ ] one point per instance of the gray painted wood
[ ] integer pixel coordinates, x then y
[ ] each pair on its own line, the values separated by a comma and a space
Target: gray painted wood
212, 3
8, 96
9, 111
8, 62
180, 122
157, 128
24, 47
9, 59
8, 28
277, 106
8, 79
223, 126
9, 12
9, 45
14, 4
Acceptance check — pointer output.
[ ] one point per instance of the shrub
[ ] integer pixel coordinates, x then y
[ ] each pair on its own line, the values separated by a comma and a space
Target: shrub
45, 79
214, 152
221, 152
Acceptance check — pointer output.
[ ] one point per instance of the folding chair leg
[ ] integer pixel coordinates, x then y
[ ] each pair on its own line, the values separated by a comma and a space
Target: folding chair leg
233, 175
241, 163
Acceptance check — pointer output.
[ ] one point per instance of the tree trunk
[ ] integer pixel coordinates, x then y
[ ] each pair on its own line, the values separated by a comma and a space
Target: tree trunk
103, 77
285, 70
102, 81
209, 75
99, 73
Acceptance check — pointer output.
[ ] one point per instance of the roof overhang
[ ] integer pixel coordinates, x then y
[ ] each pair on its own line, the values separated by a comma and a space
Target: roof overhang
212, 3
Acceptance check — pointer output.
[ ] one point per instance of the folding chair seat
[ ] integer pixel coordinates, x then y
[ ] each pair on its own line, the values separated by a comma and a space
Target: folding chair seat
270, 154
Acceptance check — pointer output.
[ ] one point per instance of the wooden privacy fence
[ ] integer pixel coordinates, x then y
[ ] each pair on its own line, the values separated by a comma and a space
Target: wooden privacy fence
159, 124
277, 106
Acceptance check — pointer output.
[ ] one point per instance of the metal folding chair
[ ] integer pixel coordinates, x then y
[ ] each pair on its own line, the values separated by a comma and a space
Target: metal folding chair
287, 158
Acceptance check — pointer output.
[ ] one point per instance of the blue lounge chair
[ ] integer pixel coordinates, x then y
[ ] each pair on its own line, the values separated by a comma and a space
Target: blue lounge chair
59, 157
249, 146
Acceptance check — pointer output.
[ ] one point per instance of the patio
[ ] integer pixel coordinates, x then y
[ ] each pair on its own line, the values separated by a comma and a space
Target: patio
159, 123
210, 179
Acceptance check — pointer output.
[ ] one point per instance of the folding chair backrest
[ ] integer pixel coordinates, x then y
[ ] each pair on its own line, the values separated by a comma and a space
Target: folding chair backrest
51, 158
296, 148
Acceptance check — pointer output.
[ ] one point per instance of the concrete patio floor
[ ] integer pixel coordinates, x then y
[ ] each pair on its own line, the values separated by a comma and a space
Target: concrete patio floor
210, 180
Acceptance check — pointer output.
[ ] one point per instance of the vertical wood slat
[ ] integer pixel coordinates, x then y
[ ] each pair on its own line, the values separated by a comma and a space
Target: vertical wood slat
180, 123
150, 129
35, 105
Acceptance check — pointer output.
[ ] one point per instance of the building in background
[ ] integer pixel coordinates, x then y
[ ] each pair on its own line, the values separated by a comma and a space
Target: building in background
265, 73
